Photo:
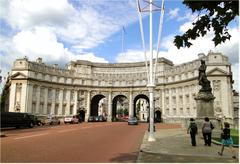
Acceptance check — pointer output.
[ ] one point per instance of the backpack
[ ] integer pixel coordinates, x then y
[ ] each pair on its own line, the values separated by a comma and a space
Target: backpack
212, 127
193, 127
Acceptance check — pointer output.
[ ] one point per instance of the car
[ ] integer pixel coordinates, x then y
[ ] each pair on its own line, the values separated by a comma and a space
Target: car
52, 120
16, 119
72, 119
35, 119
132, 121
91, 119
42, 119
101, 118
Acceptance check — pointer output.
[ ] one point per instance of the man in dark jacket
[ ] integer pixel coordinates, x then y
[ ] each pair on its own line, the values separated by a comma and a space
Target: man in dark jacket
192, 128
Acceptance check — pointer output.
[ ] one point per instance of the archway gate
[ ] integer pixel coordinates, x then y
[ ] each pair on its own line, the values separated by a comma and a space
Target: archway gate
93, 98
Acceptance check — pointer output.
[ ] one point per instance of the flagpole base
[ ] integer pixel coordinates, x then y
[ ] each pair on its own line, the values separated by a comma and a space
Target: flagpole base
151, 138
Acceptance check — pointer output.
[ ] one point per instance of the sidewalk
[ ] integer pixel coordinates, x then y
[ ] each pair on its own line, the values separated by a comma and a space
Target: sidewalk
174, 145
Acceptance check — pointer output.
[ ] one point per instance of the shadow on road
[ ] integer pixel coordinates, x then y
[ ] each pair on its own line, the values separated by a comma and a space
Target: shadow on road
125, 157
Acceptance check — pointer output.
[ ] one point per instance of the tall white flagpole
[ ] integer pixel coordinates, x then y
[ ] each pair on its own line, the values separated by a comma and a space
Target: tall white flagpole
151, 84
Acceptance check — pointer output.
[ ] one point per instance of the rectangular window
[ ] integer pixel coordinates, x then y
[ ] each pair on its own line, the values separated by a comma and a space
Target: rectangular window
49, 93
56, 109
71, 109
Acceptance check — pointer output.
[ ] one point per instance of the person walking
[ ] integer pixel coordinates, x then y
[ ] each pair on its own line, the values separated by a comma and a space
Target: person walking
193, 130
207, 131
227, 140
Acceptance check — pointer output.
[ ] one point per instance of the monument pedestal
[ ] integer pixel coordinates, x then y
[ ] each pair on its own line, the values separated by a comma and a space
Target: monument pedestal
205, 108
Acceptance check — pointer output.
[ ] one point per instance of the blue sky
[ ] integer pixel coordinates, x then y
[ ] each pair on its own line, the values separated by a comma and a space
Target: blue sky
60, 31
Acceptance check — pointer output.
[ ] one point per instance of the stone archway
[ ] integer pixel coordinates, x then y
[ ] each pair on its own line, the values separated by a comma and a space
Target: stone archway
122, 101
140, 96
94, 104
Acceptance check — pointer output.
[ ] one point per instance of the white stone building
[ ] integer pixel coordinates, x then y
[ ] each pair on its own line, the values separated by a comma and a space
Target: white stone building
37, 88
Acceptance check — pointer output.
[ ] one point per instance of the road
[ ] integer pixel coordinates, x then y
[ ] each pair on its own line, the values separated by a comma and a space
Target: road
80, 143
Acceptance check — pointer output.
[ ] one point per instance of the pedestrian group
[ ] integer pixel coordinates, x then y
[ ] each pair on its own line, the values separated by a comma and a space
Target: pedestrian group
207, 128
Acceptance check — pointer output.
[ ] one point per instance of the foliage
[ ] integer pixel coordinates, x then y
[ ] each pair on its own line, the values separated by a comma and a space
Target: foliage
217, 15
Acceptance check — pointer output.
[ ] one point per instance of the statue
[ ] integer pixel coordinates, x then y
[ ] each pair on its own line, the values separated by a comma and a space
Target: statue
202, 78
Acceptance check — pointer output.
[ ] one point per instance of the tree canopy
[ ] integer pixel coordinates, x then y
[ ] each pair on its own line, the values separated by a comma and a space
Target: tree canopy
213, 14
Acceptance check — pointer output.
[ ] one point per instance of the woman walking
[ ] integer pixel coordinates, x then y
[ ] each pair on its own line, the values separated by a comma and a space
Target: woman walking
207, 131
227, 140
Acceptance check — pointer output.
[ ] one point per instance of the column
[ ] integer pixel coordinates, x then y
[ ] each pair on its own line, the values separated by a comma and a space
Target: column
24, 98
131, 104
38, 99
109, 106
163, 104
45, 101
88, 104
184, 101
191, 100
170, 103
12, 97
30, 90
60, 109
53, 101
75, 102
177, 103
68, 96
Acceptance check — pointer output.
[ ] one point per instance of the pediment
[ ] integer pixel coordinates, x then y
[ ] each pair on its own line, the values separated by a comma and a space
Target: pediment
18, 75
217, 71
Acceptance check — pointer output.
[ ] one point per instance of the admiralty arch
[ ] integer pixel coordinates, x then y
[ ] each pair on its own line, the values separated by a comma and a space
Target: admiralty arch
41, 89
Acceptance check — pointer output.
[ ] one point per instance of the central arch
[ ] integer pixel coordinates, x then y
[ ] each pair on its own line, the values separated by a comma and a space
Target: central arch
94, 104
140, 96
121, 100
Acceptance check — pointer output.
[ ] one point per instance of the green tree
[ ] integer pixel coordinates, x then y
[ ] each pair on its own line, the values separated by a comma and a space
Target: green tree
217, 15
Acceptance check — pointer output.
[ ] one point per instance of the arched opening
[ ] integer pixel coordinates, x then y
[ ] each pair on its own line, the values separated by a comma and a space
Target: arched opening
158, 115
141, 107
120, 108
95, 105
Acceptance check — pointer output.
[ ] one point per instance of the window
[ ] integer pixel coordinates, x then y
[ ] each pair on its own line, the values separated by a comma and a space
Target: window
49, 109
181, 111
49, 93
187, 99
71, 109
174, 100
174, 111
57, 94
72, 95
167, 111
33, 108
167, 100
64, 94
56, 109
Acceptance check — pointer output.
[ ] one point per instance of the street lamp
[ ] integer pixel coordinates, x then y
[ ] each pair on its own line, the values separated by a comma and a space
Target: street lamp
152, 69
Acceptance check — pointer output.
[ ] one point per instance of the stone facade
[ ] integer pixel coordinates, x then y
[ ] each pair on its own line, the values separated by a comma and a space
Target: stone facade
37, 88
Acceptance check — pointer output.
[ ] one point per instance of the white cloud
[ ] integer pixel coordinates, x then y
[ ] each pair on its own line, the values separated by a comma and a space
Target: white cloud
25, 14
173, 13
200, 45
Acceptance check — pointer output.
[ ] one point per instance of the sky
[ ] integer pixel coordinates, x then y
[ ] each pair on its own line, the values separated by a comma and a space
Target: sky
59, 31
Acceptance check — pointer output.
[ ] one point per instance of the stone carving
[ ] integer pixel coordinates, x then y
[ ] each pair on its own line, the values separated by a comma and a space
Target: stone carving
202, 78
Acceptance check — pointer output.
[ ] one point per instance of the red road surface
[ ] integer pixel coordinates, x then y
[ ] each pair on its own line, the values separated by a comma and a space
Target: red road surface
86, 142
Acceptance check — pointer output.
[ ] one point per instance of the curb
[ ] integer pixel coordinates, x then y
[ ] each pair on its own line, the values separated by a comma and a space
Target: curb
185, 155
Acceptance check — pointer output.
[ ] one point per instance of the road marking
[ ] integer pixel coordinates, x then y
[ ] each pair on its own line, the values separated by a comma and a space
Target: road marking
62, 131
36, 135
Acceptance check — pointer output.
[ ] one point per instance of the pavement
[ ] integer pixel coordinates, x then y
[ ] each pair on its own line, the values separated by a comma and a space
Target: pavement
174, 145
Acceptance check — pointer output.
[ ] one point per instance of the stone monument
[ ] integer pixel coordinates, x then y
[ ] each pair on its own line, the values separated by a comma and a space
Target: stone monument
204, 97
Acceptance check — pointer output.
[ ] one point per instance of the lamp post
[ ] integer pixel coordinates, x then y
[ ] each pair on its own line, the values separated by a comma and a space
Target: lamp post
152, 70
